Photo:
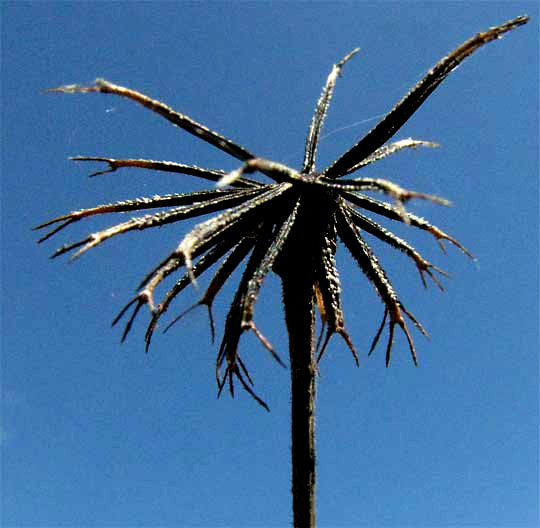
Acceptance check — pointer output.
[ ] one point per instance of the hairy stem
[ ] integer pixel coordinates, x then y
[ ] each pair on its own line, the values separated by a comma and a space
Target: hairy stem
298, 297
297, 267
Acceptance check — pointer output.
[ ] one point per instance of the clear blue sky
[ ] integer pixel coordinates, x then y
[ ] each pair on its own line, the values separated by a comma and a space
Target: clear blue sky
98, 434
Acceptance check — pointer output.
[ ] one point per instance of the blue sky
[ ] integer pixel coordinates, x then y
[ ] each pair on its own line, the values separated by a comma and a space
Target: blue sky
94, 433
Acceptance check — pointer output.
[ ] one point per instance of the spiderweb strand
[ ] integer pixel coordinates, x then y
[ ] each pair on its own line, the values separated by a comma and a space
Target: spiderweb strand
319, 115
406, 107
178, 119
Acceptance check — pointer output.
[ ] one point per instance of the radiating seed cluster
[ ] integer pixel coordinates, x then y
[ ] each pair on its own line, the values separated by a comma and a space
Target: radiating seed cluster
259, 223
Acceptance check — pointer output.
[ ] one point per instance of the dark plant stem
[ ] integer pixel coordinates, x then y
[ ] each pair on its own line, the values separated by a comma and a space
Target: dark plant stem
298, 297
297, 266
